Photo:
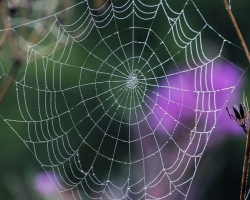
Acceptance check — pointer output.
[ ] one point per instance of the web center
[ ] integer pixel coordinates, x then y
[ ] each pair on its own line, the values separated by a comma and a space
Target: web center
132, 81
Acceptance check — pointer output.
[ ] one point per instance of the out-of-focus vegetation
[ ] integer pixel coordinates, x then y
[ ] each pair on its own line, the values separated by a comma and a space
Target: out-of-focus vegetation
221, 164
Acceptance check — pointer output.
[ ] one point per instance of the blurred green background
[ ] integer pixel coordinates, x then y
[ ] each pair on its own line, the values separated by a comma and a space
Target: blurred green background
221, 164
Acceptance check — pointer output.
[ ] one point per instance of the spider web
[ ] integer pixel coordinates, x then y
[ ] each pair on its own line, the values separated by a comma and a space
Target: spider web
123, 101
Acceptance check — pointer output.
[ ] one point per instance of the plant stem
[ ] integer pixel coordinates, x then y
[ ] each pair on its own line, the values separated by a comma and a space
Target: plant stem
237, 29
245, 167
9, 79
247, 151
8, 12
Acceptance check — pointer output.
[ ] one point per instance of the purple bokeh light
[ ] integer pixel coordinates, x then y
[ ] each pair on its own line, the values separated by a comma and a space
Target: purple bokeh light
195, 98
44, 183
185, 103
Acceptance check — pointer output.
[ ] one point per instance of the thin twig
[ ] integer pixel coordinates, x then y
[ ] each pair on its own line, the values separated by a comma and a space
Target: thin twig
7, 38
247, 152
237, 29
8, 12
6, 25
245, 167
9, 79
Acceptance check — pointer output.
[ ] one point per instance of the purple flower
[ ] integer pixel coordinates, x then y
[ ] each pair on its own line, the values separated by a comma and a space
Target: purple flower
45, 183
183, 103
194, 99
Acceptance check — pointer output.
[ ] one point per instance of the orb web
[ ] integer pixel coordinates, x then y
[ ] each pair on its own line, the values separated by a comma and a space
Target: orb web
122, 104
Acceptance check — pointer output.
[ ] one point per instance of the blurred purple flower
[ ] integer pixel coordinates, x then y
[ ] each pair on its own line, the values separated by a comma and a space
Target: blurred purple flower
195, 98
44, 183
184, 103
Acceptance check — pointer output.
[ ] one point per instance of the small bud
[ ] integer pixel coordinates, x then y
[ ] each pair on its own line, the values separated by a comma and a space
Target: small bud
240, 116
236, 112
242, 112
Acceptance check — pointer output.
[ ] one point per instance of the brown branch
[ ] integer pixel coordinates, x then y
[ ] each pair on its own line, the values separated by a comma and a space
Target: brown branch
9, 79
8, 13
245, 167
237, 30
6, 26
247, 151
